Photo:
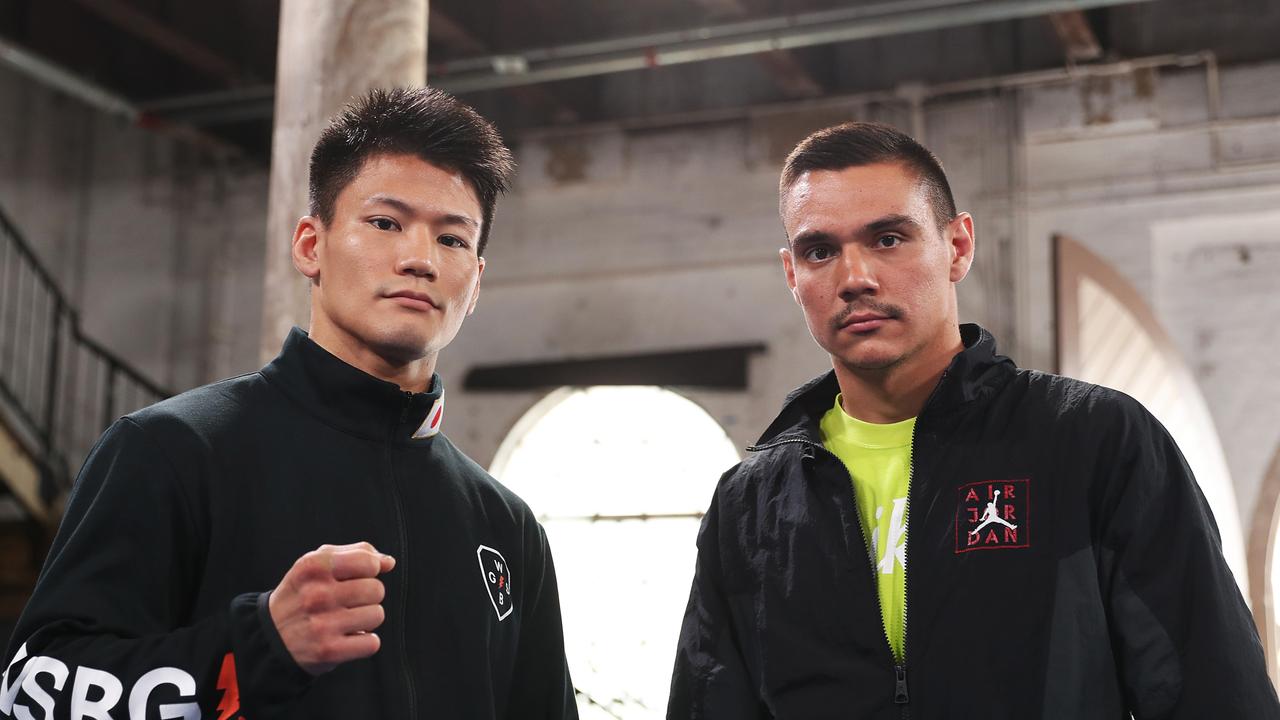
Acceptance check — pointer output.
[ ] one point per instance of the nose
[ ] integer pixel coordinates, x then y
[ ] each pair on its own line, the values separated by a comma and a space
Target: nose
857, 274
417, 258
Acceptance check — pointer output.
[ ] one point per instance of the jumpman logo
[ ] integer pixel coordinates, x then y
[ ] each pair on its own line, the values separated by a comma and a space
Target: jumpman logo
1010, 503
991, 515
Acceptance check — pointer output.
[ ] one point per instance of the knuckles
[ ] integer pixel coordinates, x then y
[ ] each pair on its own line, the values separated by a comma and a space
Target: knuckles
314, 564
318, 628
315, 599
370, 565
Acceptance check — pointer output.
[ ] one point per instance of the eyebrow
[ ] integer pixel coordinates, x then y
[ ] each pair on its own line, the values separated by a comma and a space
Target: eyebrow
890, 222
407, 209
810, 237
896, 221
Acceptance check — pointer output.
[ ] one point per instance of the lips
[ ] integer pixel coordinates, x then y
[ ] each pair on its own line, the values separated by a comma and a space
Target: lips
413, 300
864, 322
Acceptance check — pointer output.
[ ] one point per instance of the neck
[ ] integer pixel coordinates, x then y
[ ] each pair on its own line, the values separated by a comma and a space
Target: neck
897, 392
411, 376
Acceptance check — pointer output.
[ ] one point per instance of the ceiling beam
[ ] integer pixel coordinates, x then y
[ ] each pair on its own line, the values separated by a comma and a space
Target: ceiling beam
161, 35
788, 73
640, 52
723, 9
51, 74
791, 76
1079, 41
444, 30
745, 37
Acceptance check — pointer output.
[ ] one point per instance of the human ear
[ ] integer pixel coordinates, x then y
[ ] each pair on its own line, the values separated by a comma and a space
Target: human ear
960, 237
475, 292
789, 270
305, 247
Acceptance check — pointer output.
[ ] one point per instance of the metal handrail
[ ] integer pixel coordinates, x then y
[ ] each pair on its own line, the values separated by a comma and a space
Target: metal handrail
60, 388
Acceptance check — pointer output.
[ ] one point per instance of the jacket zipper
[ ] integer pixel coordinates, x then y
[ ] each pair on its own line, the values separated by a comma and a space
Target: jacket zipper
900, 694
402, 562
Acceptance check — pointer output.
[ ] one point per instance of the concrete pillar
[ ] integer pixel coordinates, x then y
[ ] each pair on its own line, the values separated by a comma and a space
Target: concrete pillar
329, 51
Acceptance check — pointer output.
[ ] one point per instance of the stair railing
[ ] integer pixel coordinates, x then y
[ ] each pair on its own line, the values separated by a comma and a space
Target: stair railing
59, 388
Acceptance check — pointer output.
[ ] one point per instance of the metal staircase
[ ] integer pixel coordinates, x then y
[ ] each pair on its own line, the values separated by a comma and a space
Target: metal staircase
58, 391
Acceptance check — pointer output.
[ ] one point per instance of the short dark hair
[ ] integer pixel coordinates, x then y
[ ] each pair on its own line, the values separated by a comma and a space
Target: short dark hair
424, 122
854, 144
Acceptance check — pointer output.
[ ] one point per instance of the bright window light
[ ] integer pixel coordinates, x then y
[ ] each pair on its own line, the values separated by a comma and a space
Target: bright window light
619, 477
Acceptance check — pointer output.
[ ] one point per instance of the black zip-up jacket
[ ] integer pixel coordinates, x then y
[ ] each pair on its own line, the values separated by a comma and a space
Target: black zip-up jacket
1110, 597
152, 602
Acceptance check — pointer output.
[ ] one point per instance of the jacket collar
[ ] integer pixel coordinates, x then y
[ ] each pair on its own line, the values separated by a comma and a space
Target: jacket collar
975, 372
349, 399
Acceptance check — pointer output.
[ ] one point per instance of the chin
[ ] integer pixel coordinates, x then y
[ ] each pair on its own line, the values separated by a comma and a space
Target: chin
402, 346
869, 358
873, 362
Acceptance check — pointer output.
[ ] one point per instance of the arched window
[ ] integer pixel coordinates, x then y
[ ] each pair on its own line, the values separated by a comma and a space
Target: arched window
1264, 565
1109, 336
619, 477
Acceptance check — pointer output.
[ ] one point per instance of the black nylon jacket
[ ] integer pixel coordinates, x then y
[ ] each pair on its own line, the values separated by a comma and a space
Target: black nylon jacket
152, 602
1110, 597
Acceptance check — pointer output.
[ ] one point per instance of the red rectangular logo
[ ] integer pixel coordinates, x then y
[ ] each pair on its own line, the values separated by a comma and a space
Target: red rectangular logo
993, 515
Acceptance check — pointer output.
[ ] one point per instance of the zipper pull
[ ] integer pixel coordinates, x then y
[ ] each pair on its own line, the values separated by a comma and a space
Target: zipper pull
404, 413
900, 685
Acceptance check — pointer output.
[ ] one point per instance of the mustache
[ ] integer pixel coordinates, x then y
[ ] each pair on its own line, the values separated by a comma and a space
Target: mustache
893, 312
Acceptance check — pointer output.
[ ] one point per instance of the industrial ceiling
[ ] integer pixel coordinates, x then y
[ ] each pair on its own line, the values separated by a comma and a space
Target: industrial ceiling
209, 67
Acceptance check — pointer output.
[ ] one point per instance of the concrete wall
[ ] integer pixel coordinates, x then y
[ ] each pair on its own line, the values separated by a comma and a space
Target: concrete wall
1185, 207
634, 239
157, 243
626, 240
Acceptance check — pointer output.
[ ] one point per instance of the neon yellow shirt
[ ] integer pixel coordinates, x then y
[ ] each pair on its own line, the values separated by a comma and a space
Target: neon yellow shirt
878, 458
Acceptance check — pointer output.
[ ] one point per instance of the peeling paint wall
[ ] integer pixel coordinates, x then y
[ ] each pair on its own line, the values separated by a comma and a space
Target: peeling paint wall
157, 245
667, 238
629, 240
1176, 200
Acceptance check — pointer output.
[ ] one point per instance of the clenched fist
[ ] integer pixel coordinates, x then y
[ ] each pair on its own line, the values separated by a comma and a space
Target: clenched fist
329, 603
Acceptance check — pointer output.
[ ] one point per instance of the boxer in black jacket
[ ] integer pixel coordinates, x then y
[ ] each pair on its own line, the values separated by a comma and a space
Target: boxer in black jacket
302, 541
1058, 558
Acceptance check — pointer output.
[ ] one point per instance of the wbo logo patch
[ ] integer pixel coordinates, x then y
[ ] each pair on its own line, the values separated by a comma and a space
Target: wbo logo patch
993, 515
497, 580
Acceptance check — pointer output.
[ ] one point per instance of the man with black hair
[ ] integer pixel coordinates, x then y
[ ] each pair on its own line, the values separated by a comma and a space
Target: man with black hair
302, 541
1063, 564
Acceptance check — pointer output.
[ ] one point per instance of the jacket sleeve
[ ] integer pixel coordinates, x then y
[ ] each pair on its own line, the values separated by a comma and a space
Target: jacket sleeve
542, 688
1184, 640
108, 630
710, 680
